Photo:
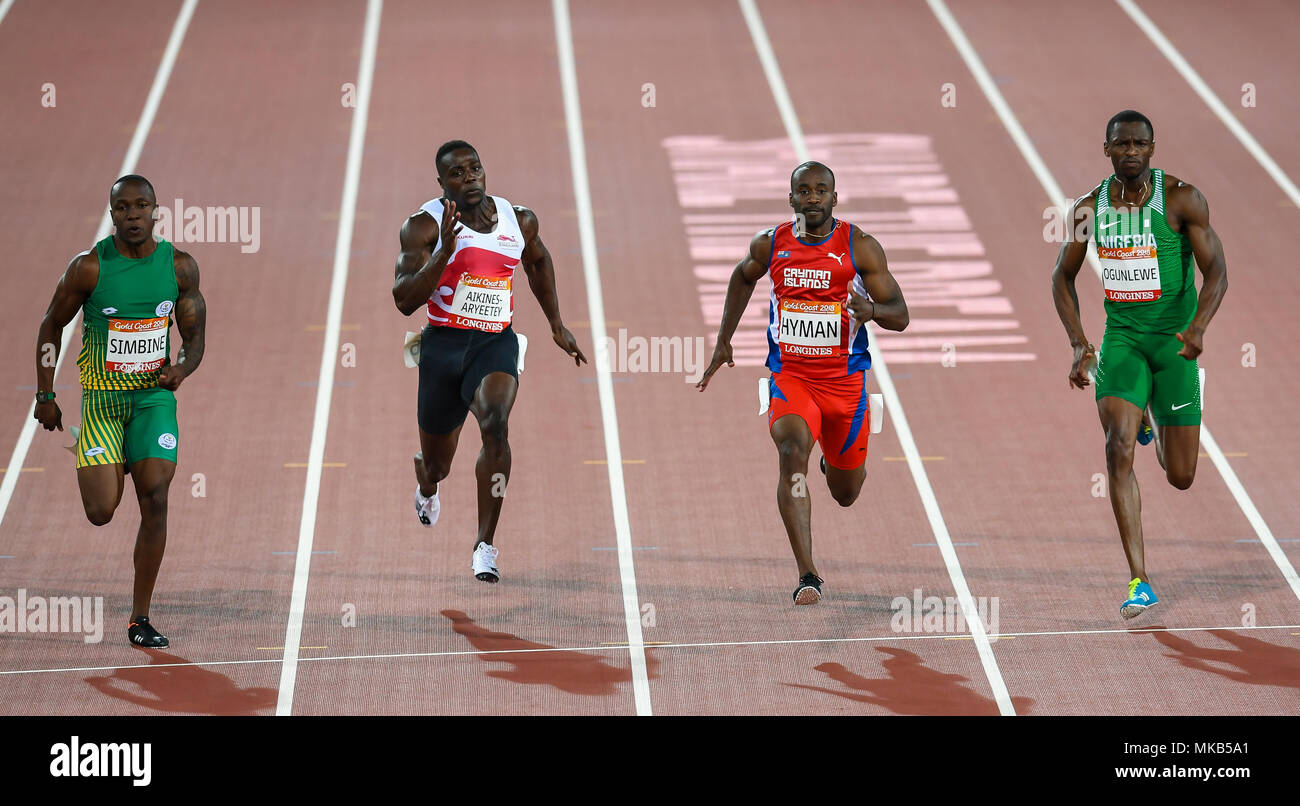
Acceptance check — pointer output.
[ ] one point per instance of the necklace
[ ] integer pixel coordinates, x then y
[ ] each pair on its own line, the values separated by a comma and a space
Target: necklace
1146, 186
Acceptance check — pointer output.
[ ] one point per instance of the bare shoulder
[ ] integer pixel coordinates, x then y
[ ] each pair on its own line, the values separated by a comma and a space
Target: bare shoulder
419, 227
528, 224
1184, 204
83, 271
1181, 193
760, 246
1087, 201
867, 251
857, 234
187, 270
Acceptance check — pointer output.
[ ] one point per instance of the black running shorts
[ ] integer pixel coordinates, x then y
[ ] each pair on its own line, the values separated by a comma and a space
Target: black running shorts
453, 362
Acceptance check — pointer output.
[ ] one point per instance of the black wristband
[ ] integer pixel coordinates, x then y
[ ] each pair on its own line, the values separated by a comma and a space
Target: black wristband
44, 397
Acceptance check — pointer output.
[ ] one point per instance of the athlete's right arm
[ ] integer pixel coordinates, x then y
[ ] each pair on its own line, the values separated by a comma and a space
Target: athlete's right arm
74, 288
739, 290
418, 266
1074, 250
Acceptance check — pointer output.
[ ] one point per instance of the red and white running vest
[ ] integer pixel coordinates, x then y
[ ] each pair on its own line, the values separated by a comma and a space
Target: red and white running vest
811, 333
473, 292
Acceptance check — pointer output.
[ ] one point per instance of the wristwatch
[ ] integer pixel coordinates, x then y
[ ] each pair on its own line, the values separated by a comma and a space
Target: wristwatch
44, 397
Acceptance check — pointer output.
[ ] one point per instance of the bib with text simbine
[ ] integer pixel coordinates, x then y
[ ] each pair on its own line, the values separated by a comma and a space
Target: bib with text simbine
136, 345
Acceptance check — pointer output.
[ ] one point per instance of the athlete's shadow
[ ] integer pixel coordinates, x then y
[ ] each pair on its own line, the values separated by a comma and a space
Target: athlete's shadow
182, 689
912, 689
570, 671
1252, 661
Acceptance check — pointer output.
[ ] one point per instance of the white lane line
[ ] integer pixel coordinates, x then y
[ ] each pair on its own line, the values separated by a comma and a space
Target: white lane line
1053, 190
893, 403
604, 383
669, 645
4, 9
133, 150
328, 360
1211, 100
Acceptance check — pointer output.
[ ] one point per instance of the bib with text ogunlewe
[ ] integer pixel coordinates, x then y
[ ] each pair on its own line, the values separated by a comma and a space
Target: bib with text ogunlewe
136, 345
1130, 271
482, 303
809, 328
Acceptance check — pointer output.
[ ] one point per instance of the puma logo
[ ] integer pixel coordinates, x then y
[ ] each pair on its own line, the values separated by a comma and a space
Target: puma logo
837, 257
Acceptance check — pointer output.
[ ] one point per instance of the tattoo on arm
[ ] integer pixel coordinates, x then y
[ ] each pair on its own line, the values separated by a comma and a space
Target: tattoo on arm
191, 314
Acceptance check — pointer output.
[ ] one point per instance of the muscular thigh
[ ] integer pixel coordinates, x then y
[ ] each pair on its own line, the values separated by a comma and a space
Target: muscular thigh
101, 486
152, 478
790, 397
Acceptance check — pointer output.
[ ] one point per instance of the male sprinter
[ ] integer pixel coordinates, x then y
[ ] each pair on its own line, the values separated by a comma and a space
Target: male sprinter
130, 288
1148, 226
461, 274
829, 279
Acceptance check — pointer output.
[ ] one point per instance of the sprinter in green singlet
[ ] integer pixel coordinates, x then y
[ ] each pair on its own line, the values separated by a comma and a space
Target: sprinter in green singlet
1148, 226
130, 288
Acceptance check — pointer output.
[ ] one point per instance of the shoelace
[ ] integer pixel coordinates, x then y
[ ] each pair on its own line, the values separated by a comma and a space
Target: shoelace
1133, 586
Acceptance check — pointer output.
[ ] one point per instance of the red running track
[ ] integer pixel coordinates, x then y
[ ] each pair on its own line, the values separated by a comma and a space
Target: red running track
394, 623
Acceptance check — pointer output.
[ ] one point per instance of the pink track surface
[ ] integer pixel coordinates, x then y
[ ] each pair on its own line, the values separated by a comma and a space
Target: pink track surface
1011, 453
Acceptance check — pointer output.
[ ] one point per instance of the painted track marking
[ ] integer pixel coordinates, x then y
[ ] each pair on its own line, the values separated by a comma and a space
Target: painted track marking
604, 383
619, 646
328, 361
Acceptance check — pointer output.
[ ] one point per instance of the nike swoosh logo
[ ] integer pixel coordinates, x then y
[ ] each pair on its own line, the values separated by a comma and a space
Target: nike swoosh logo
1108, 226
1185, 405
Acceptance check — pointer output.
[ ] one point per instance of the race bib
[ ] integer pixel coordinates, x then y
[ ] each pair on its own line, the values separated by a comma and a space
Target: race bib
1130, 274
136, 345
810, 328
482, 303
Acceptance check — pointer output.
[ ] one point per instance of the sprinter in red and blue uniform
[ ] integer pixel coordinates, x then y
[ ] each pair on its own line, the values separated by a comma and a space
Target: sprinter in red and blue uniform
829, 279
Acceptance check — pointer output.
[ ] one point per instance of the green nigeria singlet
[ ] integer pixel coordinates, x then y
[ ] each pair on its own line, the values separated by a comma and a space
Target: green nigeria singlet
125, 341
1146, 267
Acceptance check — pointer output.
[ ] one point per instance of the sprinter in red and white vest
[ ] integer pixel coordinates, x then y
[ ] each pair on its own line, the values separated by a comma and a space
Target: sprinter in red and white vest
458, 261
828, 281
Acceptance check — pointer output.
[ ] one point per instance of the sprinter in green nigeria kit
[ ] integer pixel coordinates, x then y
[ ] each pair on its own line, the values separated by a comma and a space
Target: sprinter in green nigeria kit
1148, 226
130, 289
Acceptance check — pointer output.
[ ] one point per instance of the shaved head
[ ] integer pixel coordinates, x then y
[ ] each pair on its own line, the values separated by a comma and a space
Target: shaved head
131, 179
810, 166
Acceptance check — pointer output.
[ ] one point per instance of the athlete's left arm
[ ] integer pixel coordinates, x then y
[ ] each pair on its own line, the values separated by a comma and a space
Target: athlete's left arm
191, 316
541, 279
886, 306
1191, 214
